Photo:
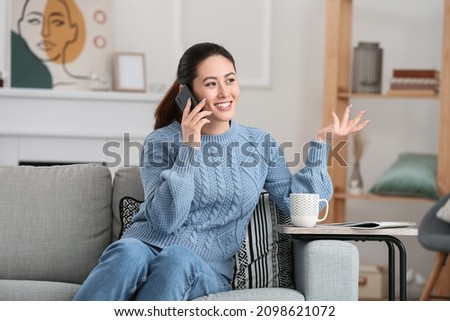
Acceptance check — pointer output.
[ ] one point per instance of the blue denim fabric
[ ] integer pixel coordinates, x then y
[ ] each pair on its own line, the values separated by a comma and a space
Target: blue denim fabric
132, 270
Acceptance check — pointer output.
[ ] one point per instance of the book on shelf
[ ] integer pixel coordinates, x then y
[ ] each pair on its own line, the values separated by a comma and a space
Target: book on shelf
415, 73
412, 80
410, 88
412, 92
398, 86
415, 81
414, 86
372, 225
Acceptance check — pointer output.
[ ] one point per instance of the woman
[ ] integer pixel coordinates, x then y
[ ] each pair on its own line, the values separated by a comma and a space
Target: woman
202, 175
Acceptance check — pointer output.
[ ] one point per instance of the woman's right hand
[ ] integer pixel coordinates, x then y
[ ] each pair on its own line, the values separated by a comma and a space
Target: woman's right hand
192, 123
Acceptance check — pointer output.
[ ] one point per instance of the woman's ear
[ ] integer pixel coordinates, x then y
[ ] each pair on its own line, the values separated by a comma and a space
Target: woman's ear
181, 87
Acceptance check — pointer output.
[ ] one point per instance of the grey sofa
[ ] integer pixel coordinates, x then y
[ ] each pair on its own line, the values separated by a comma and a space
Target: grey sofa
56, 221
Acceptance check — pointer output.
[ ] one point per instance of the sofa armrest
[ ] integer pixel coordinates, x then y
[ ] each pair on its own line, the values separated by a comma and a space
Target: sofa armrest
326, 270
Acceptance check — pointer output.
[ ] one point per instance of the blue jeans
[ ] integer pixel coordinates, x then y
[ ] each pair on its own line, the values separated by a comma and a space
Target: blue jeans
130, 269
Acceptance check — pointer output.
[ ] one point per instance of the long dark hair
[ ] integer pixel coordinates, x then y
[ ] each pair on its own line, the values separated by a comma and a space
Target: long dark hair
167, 110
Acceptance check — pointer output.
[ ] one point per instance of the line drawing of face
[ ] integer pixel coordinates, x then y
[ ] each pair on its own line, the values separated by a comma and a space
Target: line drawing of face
48, 29
54, 32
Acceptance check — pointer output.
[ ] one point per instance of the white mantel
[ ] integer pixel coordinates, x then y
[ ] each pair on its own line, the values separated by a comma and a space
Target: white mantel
72, 126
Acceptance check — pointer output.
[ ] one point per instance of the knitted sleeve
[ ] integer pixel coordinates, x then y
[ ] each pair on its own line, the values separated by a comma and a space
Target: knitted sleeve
167, 175
312, 178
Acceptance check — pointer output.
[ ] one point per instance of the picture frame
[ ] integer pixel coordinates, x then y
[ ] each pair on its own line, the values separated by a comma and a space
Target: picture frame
129, 72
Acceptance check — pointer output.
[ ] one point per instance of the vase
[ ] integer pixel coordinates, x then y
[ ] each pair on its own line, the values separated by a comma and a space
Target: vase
356, 182
367, 68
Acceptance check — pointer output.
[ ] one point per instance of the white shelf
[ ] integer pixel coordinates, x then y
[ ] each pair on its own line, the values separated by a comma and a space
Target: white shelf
79, 95
83, 134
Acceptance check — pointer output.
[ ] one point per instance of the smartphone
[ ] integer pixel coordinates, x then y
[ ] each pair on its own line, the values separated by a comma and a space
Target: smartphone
183, 97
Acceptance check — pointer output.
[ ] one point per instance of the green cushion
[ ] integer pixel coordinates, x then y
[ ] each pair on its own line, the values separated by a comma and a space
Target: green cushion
413, 174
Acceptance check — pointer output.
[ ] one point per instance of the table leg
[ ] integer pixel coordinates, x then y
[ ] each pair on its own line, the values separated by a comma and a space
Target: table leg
391, 270
402, 257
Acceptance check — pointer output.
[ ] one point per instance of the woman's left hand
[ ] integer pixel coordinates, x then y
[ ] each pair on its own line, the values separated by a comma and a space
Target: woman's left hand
344, 127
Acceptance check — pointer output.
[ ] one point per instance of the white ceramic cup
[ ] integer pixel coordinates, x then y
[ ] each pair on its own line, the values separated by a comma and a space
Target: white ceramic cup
305, 209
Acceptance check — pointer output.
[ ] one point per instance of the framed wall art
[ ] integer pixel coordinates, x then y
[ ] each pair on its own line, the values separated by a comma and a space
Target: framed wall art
60, 44
129, 72
253, 54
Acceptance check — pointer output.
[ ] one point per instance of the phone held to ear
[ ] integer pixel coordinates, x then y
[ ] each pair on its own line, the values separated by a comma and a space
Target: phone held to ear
183, 96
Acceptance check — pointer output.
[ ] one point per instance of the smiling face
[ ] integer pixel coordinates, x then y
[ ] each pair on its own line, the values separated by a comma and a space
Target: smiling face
217, 82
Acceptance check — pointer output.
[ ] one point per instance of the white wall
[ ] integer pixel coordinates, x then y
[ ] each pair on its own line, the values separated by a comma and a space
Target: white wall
409, 31
3, 28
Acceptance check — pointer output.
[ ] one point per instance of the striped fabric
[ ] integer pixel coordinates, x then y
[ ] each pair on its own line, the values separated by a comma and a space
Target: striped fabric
265, 257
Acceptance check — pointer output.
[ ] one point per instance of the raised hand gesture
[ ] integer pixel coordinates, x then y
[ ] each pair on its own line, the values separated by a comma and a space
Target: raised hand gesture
343, 127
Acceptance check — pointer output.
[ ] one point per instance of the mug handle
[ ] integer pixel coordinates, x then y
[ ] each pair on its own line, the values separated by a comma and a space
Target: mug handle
326, 210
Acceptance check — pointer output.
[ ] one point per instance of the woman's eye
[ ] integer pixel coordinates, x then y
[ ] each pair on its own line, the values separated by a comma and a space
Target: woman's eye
34, 21
58, 22
210, 84
231, 80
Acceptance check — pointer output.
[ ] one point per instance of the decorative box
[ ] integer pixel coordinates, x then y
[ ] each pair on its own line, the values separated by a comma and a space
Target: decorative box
373, 282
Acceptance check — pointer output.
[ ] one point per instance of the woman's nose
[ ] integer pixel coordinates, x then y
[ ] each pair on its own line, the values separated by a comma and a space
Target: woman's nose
223, 91
45, 32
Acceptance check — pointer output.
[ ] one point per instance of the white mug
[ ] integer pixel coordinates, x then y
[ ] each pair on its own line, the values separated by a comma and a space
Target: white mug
305, 209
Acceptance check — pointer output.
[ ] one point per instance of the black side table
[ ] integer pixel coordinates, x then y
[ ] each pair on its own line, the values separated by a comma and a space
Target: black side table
387, 235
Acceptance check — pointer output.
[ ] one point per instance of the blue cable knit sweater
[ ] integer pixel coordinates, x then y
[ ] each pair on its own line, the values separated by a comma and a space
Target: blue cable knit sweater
203, 198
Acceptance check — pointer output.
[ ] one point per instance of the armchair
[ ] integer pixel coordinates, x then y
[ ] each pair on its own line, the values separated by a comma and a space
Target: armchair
434, 235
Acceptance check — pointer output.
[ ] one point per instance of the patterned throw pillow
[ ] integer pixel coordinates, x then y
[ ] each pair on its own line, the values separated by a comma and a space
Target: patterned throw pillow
128, 207
265, 257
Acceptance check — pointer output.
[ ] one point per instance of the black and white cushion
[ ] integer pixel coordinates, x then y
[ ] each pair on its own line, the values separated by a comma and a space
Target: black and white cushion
265, 257
128, 208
